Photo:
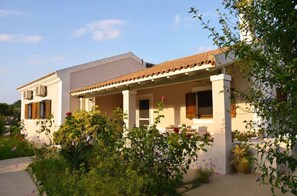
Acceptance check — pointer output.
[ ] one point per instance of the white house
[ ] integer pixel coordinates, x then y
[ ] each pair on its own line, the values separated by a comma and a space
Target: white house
49, 95
196, 90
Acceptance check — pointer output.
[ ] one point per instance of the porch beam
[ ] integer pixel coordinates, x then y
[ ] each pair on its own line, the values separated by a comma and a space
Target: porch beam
221, 122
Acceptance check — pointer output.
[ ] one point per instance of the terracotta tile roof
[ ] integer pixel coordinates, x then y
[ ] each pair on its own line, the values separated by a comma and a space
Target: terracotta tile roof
48, 75
165, 67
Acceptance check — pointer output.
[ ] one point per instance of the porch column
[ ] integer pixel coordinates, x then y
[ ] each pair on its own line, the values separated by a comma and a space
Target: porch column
129, 107
81, 104
221, 122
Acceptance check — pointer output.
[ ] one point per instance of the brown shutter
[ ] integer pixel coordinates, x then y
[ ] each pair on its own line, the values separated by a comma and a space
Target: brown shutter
233, 104
48, 107
34, 111
38, 110
26, 111
190, 105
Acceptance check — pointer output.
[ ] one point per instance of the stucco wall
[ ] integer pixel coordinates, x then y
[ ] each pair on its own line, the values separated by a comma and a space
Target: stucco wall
243, 111
103, 72
30, 124
174, 110
106, 104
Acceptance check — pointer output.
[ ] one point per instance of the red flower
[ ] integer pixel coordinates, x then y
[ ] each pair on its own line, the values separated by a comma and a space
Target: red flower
162, 98
176, 130
68, 114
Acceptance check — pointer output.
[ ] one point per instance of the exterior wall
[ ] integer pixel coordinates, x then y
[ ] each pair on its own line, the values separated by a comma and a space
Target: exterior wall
30, 124
107, 103
242, 113
74, 104
103, 72
175, 109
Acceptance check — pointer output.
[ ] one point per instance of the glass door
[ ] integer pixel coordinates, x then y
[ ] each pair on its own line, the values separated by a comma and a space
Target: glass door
144, 112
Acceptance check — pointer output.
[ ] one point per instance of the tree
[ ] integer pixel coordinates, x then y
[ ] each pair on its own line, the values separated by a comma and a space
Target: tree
264, 40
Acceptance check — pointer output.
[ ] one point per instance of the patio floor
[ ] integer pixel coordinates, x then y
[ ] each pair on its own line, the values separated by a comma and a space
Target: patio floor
233, 185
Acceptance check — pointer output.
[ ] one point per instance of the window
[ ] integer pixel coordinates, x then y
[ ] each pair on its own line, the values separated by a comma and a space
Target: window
204, 104
144, 112
199, 104
38, 110
42, 109
28, 111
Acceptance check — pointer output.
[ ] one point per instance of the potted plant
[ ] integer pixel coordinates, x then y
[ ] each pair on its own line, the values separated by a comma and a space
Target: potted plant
242, 158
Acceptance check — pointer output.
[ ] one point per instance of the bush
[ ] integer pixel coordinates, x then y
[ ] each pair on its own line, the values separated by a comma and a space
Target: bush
15, 146
96, 159
81, 130
161, 159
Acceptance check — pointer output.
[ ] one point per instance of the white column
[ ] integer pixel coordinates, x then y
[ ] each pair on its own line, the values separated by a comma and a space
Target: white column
89, 104
81, 104
129, 107
221, 122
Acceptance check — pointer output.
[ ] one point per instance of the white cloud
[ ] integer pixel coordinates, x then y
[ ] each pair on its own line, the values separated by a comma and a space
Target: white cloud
5, 13
20, 38
101, 29
190, 21
176, 20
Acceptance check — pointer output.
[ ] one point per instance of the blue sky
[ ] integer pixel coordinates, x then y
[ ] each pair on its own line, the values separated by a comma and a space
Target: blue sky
39, 37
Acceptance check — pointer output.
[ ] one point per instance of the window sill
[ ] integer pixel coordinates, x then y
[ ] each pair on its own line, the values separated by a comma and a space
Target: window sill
203, 121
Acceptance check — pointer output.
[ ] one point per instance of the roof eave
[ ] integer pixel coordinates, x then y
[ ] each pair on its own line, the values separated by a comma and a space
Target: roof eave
154, 77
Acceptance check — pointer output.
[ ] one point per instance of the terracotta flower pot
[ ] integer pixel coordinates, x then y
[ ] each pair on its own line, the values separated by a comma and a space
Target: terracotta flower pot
242, 166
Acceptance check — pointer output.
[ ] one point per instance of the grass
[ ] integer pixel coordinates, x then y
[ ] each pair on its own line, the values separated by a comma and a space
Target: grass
14, 147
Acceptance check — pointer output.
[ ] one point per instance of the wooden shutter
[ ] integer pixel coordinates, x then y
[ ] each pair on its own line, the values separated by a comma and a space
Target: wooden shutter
190, 105
38, 110
34, 111
233, 103
26, 110
48, 107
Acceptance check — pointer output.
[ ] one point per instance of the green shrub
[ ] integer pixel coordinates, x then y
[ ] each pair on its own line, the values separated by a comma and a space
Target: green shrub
161, 159
82, 130
15, 146
97, 159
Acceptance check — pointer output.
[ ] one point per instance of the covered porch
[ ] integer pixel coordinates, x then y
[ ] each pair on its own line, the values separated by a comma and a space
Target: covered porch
196, 96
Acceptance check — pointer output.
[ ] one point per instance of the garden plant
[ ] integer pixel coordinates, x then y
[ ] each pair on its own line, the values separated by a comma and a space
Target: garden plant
98, 156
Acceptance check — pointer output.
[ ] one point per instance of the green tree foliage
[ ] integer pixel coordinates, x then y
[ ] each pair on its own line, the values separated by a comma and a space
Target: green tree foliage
11, 109
267, 57
2, 125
